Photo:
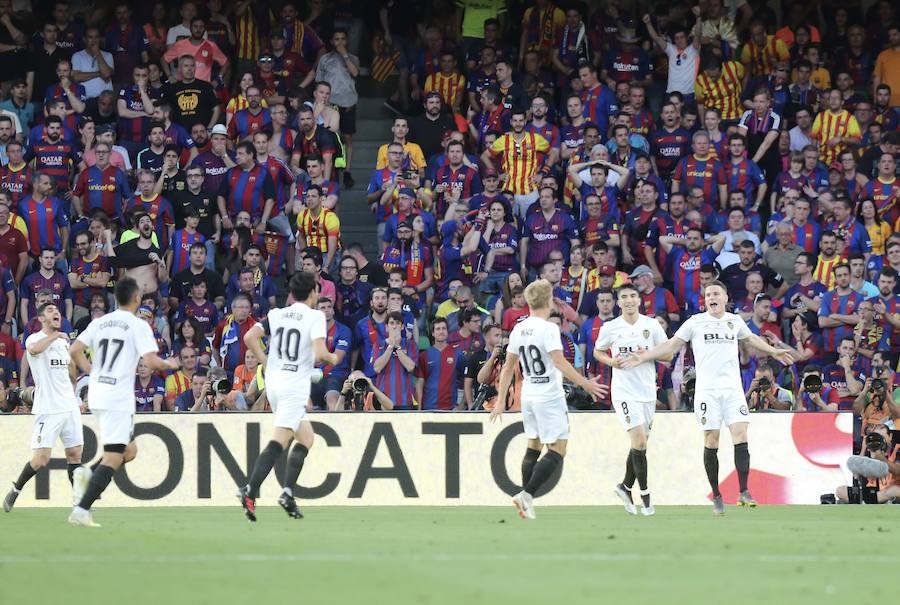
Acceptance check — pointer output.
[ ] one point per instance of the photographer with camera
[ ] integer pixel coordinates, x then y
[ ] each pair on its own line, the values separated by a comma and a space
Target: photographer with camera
871, 483
814, 395
493, 336
488, 379
765, 394
359, 394
874, 402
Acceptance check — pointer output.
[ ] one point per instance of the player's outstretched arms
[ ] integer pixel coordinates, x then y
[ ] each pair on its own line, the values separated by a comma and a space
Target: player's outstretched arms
322, 353
593, 387
506, 376
664, 350
785, 356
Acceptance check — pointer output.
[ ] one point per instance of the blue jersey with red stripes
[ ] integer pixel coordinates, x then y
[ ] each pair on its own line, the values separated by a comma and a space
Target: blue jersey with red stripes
44, 220
856, 237
886, 195
247, 190
683, 270
88, 268
135, 129
642, 122
275, 247
104, 189
890, 339
668, 226
464, 180
658, 302
441, 370
695, 172
379, 178
16, 182
785, 182
55, 91
7, 284
600, 104
394, 380
338, 338
282, 179
57, 284
366, 335
587, 335
638, 224
667, 147
214, 169
176, 134
38, 134
303, 183
53, 159
182, 240
161, 213
846, 304
245, 123
546, 235
548, 131
745, 175
143, 396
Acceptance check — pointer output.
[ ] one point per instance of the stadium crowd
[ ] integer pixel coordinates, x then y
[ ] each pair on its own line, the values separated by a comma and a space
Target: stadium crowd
203, 147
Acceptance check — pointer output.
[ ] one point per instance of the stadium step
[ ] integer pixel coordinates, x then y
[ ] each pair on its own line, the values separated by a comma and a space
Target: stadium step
373, 129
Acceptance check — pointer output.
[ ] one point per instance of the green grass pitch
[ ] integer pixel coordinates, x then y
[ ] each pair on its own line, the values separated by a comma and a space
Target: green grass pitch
465, 555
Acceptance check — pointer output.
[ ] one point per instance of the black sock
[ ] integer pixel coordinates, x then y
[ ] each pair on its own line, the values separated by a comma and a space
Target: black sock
70, 468
25, 476
544, 468
99, 481
711, 462
263, 466
528, 462
628, 481
294, 466
96, 464
742, 464
639, 462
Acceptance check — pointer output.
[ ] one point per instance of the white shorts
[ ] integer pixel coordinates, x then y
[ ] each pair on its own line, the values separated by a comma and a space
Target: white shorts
715, 408
523, 202
65, 426
289, 409
547, 421
116, 426
635, 413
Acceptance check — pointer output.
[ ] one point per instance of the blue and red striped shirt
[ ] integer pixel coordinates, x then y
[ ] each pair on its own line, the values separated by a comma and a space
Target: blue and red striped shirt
244, 123
745, 175
669, 147
247, 190
394, 380
88, 268
846, 304
17, 182
182, 240
282, 179
683, 270
44, 220
546, 235
600, 104
53, 159
107, 190
161, 213
694, 172
441, 370
57, 283
135, 129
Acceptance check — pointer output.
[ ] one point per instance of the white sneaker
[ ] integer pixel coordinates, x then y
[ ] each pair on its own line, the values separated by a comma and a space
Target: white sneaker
81, 518
648, 511
525, 504
625, 495
80, 479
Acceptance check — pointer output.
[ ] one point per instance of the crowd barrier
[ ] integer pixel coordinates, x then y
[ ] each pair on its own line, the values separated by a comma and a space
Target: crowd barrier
423, 458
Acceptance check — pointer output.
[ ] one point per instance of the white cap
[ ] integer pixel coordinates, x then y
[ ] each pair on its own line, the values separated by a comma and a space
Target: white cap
219, 129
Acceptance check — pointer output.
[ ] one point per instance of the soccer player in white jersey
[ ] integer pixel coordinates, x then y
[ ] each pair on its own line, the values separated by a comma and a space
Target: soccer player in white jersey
296, 343
536, 346
634, 389
55, 407
117, 341
719, 396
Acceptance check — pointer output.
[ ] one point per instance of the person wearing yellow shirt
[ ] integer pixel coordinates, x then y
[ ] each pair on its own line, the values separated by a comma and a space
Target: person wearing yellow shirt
320, 227
887, 66
761, 53
834, 128
413, 158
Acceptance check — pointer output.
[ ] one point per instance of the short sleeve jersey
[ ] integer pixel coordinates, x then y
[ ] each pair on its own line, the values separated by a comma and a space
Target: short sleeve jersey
291, 332
621, 338
53, 391
715, 345
533, 340
117, 342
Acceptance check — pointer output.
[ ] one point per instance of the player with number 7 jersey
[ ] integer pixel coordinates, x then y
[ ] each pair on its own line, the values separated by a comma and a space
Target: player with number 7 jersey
535, 345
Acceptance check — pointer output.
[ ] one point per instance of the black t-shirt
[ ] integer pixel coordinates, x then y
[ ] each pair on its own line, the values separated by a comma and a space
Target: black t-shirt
374, 273
180, 286
130, 255
203, 202
475, 363
428, 133
191, 103
92, 110
735, 279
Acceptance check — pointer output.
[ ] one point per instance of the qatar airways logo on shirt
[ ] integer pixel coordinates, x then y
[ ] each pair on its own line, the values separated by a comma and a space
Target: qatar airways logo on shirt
52, 159
692, 263
670, 152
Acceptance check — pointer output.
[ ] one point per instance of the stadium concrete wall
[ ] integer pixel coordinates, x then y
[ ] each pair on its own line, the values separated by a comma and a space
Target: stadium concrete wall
439, 459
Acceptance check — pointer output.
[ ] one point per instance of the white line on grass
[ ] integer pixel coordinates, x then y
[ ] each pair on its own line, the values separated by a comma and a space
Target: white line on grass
438, 557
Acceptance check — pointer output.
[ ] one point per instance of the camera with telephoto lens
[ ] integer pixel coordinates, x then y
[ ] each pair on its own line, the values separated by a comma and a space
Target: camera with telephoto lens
763, 385
486, 392
577, 397
356, 398
812, 383
19, 396
875, 442
878, 385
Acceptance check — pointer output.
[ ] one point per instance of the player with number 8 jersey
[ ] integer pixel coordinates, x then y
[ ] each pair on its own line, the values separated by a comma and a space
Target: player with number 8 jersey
535, 345
296, 343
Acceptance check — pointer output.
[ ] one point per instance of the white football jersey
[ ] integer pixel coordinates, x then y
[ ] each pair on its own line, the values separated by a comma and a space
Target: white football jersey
117, 342
532, 340
621, 338
291, 332
53, 390
715, 345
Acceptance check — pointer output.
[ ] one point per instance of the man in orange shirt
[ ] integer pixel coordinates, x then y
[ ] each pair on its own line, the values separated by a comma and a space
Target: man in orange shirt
205, 53
887, 66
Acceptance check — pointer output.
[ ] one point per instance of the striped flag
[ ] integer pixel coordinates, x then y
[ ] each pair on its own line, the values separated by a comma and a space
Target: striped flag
385, 60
